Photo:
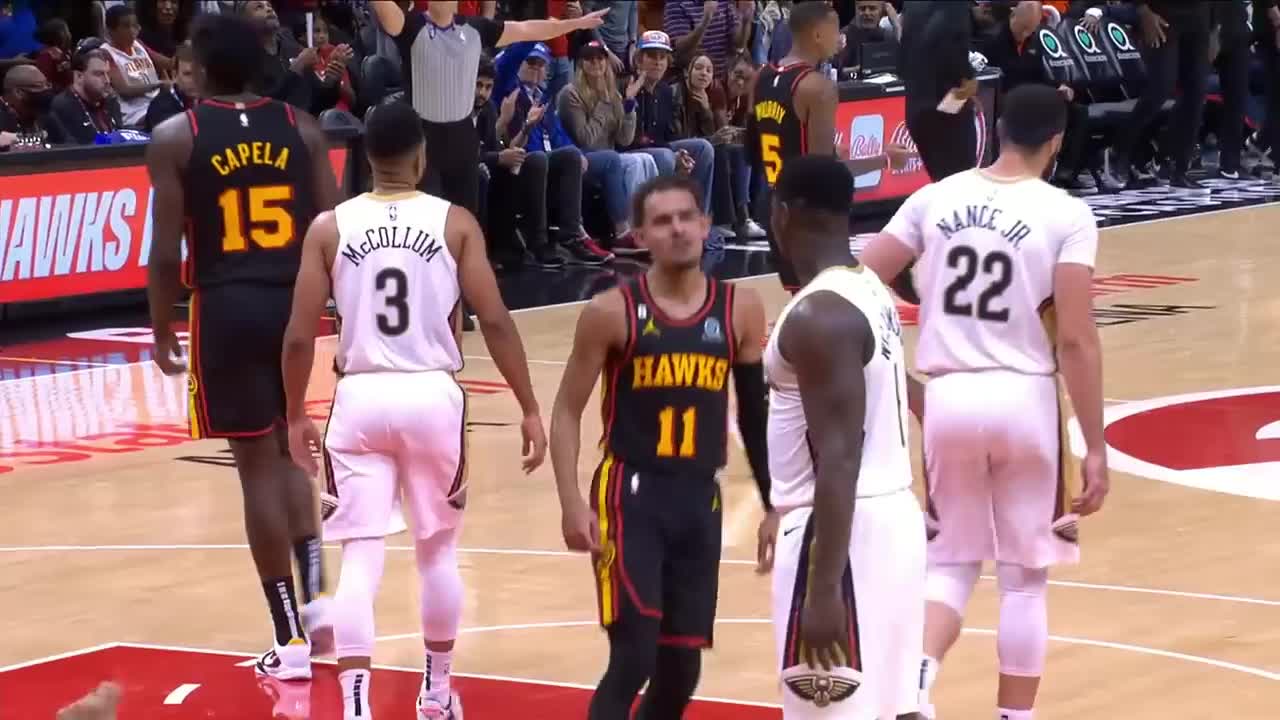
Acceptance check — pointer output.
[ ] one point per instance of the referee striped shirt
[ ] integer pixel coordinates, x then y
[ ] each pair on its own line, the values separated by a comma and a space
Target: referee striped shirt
441, 63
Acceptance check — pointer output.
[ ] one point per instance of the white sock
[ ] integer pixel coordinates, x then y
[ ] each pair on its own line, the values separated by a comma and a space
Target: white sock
355, 694
435, 681
1003, 714
928, 674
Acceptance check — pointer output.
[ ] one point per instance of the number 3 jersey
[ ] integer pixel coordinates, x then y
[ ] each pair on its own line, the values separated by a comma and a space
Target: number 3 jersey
395, 285
666, 395
987, 250
250, 197
886, 465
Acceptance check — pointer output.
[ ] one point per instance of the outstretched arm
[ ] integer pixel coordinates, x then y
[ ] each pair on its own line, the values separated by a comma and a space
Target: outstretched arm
539, 30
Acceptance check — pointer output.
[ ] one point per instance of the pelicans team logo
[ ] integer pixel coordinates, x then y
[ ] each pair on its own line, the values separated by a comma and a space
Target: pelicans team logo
822, 690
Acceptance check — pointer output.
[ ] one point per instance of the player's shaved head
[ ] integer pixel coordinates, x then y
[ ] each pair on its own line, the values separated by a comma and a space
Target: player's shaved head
806, 16
810, 213
395, 144
228, 53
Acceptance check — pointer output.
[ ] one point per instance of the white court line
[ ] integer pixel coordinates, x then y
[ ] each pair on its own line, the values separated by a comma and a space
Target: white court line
180, 693
418, 671
1246, 669
486, 358
567, 554
55, 658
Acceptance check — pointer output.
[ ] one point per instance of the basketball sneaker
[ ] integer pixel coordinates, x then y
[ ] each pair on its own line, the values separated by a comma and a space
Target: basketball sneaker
286, 662
433, 710
317, 620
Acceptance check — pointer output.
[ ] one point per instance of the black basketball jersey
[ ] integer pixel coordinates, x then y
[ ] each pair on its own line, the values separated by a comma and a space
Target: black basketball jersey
779, 130
249, 193
666, 396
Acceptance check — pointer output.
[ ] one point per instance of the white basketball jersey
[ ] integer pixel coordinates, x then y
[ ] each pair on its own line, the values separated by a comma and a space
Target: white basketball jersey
396, 286
886, 465
987, 249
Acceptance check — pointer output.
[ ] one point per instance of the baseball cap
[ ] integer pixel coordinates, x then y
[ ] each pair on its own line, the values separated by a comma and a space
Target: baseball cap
595, 48
541, 52
654, 40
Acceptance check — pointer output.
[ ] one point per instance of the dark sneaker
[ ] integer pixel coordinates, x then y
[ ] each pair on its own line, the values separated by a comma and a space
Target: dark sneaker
585, 251
626, 245
547, 257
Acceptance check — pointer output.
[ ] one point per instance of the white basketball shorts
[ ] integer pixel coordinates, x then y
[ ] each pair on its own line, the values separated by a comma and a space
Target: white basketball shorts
396, 439
884, 595
997, 470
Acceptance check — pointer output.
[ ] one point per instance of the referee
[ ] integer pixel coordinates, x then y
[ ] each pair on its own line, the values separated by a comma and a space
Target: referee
440, 56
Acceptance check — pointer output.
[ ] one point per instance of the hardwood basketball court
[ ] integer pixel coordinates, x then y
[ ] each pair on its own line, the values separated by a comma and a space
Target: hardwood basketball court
122, 533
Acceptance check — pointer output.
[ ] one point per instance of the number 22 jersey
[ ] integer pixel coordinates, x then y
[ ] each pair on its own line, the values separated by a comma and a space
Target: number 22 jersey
987, 250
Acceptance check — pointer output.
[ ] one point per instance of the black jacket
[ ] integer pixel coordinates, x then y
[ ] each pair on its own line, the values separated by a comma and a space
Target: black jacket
55, 134
165, 105
74, 117
1021, 66
934, 55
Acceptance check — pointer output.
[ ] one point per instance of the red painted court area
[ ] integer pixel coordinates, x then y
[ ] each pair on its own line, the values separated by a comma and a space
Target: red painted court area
181, 684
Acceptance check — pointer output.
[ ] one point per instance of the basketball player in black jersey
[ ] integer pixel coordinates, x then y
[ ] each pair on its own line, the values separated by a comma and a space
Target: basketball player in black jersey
793, 111
243, 176
666, 342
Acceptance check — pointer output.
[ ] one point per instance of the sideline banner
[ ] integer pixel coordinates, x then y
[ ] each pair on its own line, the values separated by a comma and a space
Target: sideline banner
79, 232
872, 123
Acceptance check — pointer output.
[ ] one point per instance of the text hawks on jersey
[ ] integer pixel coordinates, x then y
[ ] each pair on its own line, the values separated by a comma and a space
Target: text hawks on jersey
677, 369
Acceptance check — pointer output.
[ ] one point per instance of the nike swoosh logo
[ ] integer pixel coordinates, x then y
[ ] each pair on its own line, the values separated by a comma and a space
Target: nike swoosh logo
791, 530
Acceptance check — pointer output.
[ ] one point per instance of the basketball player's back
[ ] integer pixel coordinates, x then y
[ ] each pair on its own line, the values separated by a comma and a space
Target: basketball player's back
398, 410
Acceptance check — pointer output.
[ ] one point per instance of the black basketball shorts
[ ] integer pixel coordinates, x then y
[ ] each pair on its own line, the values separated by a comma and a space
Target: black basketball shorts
659, 558
234, 383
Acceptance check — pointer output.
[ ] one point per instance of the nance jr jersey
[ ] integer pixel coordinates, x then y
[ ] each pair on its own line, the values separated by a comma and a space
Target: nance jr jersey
886, 465
987, 250
666, 397
395, 285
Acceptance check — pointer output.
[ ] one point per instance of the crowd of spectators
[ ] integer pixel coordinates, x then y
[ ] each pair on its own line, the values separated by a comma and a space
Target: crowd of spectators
571, 126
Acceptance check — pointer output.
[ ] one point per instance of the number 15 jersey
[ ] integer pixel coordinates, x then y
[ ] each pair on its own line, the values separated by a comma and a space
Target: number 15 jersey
395, 285
988, 247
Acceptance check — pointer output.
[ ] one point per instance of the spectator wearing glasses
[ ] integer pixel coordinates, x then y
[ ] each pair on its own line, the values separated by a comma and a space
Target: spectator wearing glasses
88, 108
656, 123
134, 73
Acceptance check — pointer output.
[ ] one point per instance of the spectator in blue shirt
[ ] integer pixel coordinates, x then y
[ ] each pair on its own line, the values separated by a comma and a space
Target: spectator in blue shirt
527, 118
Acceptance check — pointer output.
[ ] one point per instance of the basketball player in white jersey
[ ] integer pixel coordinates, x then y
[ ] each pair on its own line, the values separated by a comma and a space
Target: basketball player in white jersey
848, 582
398, 263
1004, 272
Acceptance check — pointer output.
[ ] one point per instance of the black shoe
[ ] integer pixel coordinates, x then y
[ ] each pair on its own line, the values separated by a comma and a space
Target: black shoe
580, 253
1181, 181
468, 323
547, 257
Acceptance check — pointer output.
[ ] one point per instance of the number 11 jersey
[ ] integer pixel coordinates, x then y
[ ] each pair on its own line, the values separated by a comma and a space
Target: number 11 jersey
395, 284
987, 250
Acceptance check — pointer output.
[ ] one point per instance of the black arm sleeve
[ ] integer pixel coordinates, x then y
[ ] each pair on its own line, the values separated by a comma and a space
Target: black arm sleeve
753, 411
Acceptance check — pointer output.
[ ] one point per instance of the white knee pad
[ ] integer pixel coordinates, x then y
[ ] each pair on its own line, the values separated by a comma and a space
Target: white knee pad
442, 589
951, 584
362, 564
1023, 635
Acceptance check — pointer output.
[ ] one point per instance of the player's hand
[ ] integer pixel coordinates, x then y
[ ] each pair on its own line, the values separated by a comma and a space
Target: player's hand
97, 705
766, 541
823, 629
898, 155
168, 355
1097, 484
578, 525
591, 21
967, 89
533, 447
304, 441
